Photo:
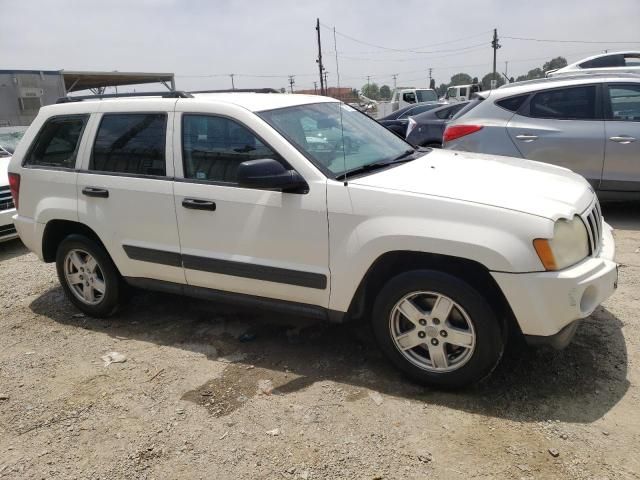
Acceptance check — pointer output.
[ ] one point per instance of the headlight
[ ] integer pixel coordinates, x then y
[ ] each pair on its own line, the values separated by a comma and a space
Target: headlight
569, 245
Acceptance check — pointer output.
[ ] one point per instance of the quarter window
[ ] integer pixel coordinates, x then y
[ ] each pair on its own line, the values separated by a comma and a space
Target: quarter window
131, 143
512, 103
213, 148
576, 103
625, 102
57, 143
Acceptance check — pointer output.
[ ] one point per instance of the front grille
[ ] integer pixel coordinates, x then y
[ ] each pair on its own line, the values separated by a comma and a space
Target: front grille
7, 230
593, 222
6, 201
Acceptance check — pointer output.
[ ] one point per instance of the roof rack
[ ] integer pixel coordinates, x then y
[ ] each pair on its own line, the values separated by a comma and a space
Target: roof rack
170, 94
240, 90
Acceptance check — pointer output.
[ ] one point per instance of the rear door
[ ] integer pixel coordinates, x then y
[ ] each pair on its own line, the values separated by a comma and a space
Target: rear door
622, 151
562, 126
125, 189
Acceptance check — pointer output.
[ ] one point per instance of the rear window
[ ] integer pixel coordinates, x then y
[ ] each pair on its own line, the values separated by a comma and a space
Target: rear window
449, 112
512, 103
131, 143
57, 142
574, 103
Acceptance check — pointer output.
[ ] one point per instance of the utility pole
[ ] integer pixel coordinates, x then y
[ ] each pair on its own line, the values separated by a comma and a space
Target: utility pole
315, 87
291, 82
430, 76
326, 82
368, 87
495, 45
319, 60
233, 85
394, 76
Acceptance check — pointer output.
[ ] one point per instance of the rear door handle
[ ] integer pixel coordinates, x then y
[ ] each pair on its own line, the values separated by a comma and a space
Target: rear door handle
623, 139
197, 204
95, 192
526, 138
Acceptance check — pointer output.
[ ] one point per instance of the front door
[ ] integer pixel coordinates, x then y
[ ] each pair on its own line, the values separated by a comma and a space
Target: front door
622, 151
125, 193
262, 243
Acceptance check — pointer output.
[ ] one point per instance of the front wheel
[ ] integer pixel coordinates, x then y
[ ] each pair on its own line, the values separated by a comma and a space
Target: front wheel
437, 329
88, 276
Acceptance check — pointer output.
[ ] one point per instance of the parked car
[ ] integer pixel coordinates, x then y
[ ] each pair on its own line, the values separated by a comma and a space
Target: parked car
611, 63
462, 93
397, 121
426, 129
590, 124
9, 138
448, 254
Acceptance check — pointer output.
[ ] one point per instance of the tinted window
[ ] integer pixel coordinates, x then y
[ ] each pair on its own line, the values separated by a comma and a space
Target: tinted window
417, 110
427, 96
604, 62
447, 113
565, 103
512, 103
57, 142
625, 102
213, 147
131, 143
409, 97
463, 92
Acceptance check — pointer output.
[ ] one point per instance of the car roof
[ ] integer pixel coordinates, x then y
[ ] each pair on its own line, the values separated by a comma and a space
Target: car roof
430, 114
600, 55
561, 81
252, 101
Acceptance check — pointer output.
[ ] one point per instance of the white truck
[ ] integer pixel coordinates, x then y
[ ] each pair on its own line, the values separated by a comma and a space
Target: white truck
403, 97
461, 93
225, 197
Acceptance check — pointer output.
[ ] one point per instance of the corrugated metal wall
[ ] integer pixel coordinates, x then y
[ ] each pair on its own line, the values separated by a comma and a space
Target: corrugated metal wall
23, 92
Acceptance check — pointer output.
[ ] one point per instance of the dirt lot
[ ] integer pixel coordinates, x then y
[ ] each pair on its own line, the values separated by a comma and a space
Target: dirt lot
193, 398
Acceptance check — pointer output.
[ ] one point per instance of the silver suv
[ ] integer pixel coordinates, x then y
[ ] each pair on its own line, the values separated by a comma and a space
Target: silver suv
589, 124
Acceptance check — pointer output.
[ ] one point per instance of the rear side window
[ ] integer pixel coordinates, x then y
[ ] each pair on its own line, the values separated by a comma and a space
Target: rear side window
447, 113
575, 103
512, 103
625, 102
213, 148
131, 143
57, 142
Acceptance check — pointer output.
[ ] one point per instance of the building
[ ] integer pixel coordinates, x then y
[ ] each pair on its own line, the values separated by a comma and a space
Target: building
345, 94
23, 92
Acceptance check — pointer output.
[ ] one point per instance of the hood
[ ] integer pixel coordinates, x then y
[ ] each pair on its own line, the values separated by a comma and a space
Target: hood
4, 166
505, 182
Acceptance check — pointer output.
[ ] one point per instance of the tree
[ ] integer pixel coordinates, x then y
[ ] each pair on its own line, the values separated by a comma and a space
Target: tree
486, 80
432, 84
371, 90
461, 79
442, 89
475, 80
554, 63
385, 92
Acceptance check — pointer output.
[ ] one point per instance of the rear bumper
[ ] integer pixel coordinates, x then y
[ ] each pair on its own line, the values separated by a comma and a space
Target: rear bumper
7, 229
30, 233
546, 304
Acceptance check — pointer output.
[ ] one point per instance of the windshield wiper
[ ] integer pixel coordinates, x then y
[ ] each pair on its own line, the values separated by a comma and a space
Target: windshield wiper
402, 158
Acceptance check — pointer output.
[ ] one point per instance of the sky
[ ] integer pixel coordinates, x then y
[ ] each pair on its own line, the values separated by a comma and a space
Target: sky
263, 42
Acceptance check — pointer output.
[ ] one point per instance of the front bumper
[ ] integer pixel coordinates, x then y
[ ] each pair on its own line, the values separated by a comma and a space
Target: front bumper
7, 229
544, 303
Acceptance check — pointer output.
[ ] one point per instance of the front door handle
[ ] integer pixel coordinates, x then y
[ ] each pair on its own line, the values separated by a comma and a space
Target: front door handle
526, 138
95, 192
197, 204
623, 139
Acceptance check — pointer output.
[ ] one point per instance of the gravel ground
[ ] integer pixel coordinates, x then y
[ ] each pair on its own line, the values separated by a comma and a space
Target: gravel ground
208, 392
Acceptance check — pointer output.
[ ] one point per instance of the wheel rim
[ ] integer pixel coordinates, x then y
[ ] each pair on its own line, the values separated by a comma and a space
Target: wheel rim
432, 331
84, 277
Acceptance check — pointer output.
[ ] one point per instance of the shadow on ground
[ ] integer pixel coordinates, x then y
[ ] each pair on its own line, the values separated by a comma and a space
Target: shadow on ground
12, 249
622, 215
579, 384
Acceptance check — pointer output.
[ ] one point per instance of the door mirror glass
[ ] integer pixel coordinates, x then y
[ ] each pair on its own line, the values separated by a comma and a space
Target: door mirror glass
270, 174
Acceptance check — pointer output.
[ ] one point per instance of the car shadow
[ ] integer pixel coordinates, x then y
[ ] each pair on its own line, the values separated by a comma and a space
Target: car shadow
12, 249
622, 215
580, 384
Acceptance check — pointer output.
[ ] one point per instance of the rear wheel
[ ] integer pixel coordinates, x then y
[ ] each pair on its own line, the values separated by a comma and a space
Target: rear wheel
88, 276
437, 329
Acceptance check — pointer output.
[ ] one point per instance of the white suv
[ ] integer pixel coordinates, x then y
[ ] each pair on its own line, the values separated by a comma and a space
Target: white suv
226, 196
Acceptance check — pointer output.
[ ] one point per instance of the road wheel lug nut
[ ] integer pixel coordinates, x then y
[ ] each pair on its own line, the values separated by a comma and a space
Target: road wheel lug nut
423, 322
436, 321
434, 341
443, 333
422, 334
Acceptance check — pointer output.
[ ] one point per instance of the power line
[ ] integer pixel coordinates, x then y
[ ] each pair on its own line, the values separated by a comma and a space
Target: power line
567, 41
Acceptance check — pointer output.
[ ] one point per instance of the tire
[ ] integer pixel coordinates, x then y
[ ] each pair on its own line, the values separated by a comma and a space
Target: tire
103, 277
471, 324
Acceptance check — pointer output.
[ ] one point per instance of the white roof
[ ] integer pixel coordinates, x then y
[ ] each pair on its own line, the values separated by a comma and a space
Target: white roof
257, 102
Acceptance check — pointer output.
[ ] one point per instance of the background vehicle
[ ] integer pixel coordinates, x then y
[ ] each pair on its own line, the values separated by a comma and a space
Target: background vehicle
403, 97
426, 129
9, 139
462, 93
612, 63
589, 124
397, 121
445, 253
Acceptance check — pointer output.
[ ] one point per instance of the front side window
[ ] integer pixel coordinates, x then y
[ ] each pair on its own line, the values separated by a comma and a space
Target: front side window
335, 136
131, 143
575, 103
625, 102
57, 142
409, 97
463, 92
213, 148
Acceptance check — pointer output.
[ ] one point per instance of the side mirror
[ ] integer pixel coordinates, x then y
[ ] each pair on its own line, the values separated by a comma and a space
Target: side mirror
270, 174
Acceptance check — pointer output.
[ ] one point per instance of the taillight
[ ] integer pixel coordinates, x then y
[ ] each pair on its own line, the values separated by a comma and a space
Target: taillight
457, 131
14, 186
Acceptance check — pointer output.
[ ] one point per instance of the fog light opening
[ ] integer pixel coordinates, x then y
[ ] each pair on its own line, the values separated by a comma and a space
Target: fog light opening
588, 300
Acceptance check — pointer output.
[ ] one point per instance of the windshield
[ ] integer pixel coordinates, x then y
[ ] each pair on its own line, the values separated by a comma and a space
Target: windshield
426, 96
315, 130
9, 137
